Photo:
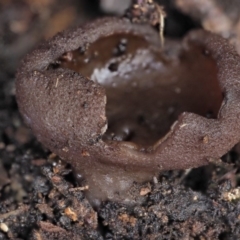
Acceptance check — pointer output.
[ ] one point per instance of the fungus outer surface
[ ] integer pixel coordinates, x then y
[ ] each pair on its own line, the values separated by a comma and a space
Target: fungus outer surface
106, 99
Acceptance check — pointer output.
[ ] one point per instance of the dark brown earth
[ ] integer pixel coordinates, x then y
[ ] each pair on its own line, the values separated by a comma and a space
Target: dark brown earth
39, 197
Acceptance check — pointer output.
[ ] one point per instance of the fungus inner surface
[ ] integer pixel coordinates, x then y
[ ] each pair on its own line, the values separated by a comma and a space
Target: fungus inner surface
147, 90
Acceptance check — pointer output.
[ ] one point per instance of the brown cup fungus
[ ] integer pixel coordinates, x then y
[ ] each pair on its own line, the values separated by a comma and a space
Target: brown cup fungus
109, 101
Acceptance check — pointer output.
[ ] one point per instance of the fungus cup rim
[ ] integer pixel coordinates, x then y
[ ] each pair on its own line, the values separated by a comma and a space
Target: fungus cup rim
182, 147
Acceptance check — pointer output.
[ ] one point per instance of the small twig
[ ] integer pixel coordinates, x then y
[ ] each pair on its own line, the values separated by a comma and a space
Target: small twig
14, 212
162, 16
84, 188
56, 85
147, 11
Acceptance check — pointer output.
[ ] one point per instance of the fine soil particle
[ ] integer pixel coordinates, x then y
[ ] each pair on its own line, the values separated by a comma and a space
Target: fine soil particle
40, 199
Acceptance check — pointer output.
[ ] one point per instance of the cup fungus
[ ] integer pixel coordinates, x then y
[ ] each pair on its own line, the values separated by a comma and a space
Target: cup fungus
108, 100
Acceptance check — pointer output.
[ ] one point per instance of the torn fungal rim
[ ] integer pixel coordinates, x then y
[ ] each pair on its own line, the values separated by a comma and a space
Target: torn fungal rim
191, 142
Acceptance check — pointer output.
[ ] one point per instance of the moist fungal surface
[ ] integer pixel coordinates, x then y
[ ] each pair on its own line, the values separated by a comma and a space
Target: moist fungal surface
147, 90
120, 110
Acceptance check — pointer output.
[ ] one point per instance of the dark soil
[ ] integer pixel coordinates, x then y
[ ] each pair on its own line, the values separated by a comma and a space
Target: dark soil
39, 197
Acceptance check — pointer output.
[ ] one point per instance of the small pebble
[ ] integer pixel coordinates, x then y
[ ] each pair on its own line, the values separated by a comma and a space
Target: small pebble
4, 227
